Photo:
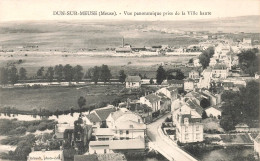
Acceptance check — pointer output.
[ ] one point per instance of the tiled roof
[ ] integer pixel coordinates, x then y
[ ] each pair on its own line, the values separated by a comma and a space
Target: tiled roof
133, 79
130, 125
99, 143
117, 114
172, 88
193, 104
91, 157
103, 113
152, 98
127, 144
93, 117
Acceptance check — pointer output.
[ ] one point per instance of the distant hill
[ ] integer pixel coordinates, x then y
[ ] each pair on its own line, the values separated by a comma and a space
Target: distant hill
102, 34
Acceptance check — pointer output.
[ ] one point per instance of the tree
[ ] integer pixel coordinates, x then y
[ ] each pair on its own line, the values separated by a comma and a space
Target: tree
204, 115
161, 75
3, 75
68, 72
248, 61
204, 58
58, 71
22, 74
122, 76
78, 74
13, 76
81, 102
151, 81
40, 72
50, 74
204, 103
179, 75
89, 73
105, 74
96, 74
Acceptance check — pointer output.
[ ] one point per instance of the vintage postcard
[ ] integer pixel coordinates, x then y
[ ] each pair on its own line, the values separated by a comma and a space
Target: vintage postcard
133, 80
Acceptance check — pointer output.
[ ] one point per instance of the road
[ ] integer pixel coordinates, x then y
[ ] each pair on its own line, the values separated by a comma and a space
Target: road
169, 150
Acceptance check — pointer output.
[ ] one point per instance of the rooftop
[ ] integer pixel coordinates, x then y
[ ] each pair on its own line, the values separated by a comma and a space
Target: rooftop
99, 143
104, 131
127, 144
132, 79
152, 98
130, 125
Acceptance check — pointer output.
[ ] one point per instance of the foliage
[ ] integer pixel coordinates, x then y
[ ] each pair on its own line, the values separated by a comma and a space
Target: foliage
161, 75
105, 74
204, 115
12, 74
4, 75
122, 76
58, 70
50, 74
22, 74
78, 74
81, 102
151, 81
240, 107
40, 72
179, 75
248, 61
204, 58
96, 74
68, 72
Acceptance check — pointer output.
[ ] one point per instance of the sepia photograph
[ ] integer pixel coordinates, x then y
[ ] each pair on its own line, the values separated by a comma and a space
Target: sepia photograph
140, 80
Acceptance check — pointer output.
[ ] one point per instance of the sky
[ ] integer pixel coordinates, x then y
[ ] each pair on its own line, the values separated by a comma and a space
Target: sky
32, 10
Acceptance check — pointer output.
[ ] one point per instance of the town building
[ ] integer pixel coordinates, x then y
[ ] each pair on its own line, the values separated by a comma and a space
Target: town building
189, 85
205, 79
214, 111
194, 74
188, 124
176, 83
133, 82
151, 100
220, 71
242, 127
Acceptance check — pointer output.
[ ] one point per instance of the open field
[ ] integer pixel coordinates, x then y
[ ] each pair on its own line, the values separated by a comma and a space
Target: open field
241, 138
131, 65
62, 98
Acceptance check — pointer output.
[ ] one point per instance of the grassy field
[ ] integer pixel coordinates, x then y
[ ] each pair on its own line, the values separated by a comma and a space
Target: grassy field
52, 98
143, 65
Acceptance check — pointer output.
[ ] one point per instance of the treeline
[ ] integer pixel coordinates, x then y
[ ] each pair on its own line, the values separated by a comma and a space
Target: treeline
170, 74
249, 61
58, 73
241, 107
204, 58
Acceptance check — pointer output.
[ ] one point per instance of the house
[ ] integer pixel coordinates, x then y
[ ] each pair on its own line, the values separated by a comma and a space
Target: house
56, 155
188, 124
97, 118
116, 146
60, 129
241, 127
103, 134
176, 83
188, 85
100, 157
213, 98
126, 125
165, 102
152, 101
220, 71
170, 92
196, 63
194, 74
257, 146
194, 105
214, 111
125, 49
133, 82
212, 62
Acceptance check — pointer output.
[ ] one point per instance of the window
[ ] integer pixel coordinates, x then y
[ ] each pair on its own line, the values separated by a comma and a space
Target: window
105, 151
186, 128
121, 132
127, 132
197, 128
197, 136
94, 123
186, 120
186, 136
